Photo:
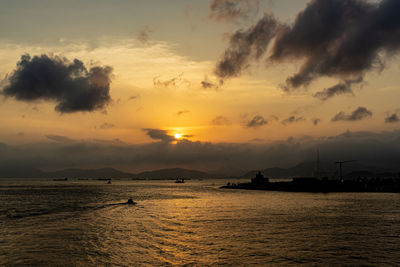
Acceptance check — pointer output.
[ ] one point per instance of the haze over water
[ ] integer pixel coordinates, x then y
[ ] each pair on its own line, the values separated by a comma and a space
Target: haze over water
77, 223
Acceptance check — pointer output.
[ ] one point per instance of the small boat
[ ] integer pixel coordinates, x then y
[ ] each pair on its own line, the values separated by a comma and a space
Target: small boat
179, 180
131, 202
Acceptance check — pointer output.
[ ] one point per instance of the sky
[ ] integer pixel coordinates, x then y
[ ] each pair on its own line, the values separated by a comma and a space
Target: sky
218, 85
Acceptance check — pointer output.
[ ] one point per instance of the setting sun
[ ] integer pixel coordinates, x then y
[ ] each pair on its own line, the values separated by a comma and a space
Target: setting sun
178, 136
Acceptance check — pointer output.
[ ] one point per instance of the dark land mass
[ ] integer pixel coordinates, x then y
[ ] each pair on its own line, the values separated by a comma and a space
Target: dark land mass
305, 169
103, 173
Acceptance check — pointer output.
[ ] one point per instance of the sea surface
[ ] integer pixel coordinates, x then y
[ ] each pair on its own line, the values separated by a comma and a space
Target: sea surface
84, 223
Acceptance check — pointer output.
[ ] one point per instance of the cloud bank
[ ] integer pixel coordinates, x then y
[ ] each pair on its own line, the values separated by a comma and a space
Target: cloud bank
374, 149
52, 78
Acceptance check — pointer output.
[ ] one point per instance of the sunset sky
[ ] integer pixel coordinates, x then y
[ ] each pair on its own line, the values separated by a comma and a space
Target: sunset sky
204, 84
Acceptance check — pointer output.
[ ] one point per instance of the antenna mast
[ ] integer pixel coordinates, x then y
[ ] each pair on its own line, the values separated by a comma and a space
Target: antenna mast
340, 167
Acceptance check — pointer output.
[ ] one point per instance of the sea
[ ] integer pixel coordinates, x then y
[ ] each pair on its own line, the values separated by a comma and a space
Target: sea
87, 223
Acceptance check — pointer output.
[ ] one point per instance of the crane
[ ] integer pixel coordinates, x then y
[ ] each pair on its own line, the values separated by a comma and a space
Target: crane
340, 167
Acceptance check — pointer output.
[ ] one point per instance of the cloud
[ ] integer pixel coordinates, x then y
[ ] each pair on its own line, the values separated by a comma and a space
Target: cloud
133, 97
316, 121
368, 148
333, 38
143, 35
173, 82
359, 114
231, 10
52, 78
158, 134
206, 84
245, 46
292, 119
256, 121
220, 120
107, 125
338, 89
181, 112
392, 118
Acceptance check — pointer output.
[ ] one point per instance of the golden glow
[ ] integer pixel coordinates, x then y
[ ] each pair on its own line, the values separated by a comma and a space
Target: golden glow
178, 135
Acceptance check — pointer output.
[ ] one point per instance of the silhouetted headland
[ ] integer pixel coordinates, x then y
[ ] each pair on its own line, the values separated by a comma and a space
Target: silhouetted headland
314, 184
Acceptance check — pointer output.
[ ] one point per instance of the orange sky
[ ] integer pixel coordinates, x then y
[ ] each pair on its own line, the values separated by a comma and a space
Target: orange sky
160, 54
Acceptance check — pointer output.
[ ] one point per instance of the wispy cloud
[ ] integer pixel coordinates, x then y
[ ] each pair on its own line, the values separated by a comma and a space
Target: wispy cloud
181, 112
392, 118
143, 35
220, 120
338, 89
292, 119
107, 125
358, 114
256, 121
173, 82
232, 10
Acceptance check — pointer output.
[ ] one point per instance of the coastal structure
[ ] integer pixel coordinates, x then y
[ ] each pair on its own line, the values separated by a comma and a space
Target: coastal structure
313, 184
259, 179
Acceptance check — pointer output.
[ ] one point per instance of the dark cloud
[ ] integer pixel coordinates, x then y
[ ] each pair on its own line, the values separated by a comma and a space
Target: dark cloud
392, 118
181, 112
292, 119
371, 149
220, 120
107, 125
208, 85
158, 134
143, 35
53, 78
256, 122
338, 89
205, 84
231, 10
247, 45
316, 121
358, 114
333, 38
